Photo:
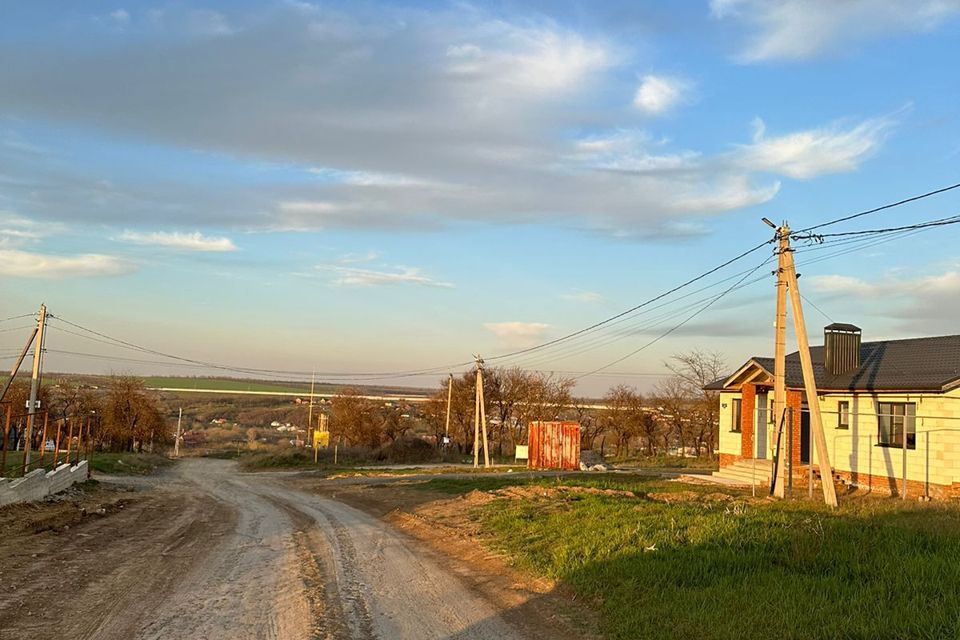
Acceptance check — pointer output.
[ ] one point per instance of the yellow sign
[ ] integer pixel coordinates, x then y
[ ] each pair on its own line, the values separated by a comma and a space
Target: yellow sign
321, 439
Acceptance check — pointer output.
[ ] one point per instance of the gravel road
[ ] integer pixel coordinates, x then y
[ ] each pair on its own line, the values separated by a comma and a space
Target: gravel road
218, 554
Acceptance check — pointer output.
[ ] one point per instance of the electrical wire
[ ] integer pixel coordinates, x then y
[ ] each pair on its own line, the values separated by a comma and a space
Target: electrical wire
676, 326
881, 208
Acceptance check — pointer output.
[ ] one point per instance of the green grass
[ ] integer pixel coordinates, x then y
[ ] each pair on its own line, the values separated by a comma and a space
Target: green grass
668, 462
872, 569
225, 384
101, 462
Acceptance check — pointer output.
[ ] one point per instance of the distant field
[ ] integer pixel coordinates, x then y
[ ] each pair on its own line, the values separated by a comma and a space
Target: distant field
231, 384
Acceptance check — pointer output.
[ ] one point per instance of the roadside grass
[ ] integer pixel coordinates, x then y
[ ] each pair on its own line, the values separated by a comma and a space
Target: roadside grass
140, 464
735, 568
618, 482
667, 462
101, 462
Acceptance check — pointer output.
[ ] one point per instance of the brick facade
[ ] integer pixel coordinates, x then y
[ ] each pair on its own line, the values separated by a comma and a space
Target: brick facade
747, 404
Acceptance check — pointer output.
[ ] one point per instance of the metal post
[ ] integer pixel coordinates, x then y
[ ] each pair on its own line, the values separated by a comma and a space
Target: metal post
69, 439
790, 448
6, 438
43, 438
56, 444
903, 492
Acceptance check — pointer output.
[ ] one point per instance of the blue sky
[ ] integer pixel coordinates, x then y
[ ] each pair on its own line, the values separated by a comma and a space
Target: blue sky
364, 186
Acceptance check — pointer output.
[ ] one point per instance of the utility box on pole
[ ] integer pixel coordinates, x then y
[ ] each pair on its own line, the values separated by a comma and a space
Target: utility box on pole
554, 445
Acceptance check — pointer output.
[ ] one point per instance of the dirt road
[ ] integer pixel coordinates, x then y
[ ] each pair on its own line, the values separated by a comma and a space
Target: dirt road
216, 554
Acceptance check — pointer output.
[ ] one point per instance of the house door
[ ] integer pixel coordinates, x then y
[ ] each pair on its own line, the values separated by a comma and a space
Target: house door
760, 427
804, 435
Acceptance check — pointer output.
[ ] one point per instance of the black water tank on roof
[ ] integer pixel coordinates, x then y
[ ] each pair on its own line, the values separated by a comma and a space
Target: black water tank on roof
841, 348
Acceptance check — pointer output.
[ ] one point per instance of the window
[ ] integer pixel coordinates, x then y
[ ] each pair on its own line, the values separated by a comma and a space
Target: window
843, 415
735, 424
895, 419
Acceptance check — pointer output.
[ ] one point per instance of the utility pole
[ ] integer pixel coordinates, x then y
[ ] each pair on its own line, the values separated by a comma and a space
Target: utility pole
34, 383
176, 443
446, 430
480, 421
780, 363
313, 377
787, 283
810, 384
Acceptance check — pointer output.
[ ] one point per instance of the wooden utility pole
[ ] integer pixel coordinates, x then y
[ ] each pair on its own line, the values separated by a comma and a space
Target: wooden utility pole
780, 363
480, 421
810, 383
34, 384
176, 443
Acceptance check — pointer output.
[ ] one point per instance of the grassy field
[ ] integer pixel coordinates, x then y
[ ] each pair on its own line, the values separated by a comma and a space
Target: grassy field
712, 568
101, 462
227, 384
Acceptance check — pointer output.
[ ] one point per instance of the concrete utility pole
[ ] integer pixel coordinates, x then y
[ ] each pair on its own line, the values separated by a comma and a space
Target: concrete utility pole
446, 429
16, 365
176, 443
480, 421
780, 362
34, 384
313, 377
810, 385
787, 283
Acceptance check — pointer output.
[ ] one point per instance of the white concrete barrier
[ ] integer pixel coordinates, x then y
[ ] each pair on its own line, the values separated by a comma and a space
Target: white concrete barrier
38, 484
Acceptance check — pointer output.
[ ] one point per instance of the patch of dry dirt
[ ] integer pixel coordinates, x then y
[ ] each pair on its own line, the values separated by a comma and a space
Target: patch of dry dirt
540, 607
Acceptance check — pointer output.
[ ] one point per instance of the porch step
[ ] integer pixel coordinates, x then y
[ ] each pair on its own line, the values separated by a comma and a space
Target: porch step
744, 472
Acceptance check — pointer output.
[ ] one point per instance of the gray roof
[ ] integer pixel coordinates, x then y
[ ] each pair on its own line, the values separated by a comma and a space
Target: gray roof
915, 364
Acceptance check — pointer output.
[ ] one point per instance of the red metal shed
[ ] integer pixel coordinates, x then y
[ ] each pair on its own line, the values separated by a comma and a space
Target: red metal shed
554, 445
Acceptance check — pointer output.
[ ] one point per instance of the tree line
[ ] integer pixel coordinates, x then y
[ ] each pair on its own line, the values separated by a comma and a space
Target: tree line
123, 415
678, 416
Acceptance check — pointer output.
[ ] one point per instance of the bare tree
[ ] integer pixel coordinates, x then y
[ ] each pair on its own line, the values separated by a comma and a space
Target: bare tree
131, 416
355, 419
673, 398
591, 426
620, 417
697, 369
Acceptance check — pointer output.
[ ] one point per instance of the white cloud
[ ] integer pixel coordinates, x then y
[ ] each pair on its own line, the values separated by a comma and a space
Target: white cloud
580, 295
26, 264
522, 58
920, 305
355, 258
517, 332
814, 152
658, 94
798, 29
120, 17
355, 277
195, 241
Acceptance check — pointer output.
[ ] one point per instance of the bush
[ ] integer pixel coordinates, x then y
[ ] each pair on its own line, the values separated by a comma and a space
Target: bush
407, 451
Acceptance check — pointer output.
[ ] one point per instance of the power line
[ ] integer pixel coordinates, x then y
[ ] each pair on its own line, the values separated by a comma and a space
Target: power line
819, 237
676, 326
881, 208
634, 308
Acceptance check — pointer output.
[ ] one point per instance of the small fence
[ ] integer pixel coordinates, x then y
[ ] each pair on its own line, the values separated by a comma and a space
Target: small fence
45, 446
902, 452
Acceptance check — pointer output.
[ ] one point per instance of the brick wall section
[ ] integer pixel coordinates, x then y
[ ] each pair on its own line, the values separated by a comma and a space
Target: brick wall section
794, 403
726, 459
748, 400
891, 486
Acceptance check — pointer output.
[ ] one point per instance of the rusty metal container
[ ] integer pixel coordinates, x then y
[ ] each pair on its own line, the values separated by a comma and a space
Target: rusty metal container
554, 445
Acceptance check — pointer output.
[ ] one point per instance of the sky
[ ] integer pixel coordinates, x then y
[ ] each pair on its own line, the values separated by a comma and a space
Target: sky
376, 187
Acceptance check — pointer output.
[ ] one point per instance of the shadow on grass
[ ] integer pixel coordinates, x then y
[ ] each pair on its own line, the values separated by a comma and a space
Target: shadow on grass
723, 570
